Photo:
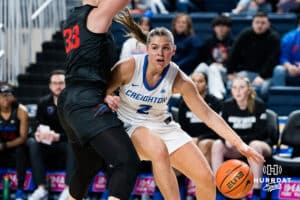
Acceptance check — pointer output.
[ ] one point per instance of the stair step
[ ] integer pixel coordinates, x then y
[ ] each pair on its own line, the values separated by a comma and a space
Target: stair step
33, 79
53, 45
59, 56
28, 100
57, 36
43, 68
34, 83
34, 91
31, 93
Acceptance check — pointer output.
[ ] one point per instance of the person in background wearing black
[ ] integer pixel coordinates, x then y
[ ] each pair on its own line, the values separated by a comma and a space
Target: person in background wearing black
94, 131
13, 134
202, 135
214, 55
246, 114
254, 54
49, 147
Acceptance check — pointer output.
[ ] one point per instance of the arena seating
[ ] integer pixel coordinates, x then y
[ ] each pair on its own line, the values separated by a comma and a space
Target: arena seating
282, 23
284, 100
219, 6
290, 136
202, 24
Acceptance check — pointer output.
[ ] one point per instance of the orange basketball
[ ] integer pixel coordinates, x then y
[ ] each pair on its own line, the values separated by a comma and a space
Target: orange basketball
234, 179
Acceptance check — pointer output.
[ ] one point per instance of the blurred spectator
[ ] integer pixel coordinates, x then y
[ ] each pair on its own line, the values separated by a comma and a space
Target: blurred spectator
285, 6
288, 72
255, 53
132, 46
251, 7
246, 114
187, 43
50, 145
13, 134
214, 54
187, 6
203, 136
184, 5
170, 5
155, 6
137, 7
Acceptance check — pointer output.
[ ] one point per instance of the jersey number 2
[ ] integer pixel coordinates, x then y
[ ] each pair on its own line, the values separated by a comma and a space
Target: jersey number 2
144, 109
72, 39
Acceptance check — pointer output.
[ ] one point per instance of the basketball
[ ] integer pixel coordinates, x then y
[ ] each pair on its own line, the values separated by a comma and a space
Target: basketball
234, 179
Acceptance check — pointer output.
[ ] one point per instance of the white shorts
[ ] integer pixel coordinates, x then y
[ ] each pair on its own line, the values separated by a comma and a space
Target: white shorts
172, 134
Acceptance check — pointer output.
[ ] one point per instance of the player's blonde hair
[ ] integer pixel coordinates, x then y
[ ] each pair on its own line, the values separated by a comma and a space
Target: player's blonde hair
125, 18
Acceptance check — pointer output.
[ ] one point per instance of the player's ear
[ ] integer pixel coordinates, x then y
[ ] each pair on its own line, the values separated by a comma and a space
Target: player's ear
174, 49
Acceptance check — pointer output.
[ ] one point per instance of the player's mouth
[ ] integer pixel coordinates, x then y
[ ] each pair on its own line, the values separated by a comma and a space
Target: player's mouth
160, 61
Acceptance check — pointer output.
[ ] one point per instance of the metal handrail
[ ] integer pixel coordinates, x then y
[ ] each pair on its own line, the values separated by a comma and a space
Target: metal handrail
40, 10
27, 24
2, 53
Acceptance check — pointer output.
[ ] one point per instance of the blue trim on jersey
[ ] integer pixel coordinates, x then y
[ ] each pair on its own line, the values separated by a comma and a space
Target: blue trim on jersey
144, 75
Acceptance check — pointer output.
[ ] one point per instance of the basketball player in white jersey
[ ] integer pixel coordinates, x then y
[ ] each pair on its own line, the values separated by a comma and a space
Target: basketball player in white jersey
146, 83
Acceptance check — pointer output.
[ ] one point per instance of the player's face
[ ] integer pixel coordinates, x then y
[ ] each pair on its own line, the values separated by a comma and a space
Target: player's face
160, 51
240, 90
57, 84
260, 25
200, 82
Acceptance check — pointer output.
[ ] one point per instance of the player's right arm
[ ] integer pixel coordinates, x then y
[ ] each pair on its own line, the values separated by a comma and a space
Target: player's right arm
100, 18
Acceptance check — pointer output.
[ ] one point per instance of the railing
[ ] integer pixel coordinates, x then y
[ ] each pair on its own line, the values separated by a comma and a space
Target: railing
3, 69
26, 25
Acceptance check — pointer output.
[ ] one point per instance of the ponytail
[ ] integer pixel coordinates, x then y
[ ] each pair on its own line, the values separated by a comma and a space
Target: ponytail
125, 18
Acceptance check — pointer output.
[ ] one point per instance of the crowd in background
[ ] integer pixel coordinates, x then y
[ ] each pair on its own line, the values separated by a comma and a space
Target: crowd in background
242, 6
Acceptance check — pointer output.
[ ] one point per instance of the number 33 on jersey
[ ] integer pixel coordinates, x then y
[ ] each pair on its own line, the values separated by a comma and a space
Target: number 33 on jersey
71, 37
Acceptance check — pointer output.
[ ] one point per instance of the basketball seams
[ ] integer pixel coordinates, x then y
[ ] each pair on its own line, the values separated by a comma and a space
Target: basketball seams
241, 181
228, 175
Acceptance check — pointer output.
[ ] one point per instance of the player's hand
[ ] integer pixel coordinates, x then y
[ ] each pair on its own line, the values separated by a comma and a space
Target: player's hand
112, 101
250, 153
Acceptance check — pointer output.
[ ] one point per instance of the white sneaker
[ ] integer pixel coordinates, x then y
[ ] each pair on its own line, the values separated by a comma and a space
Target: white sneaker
39, 194
64, 194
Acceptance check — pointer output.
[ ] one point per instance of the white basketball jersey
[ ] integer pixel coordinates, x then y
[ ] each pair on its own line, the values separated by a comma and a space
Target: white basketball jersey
141, 103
